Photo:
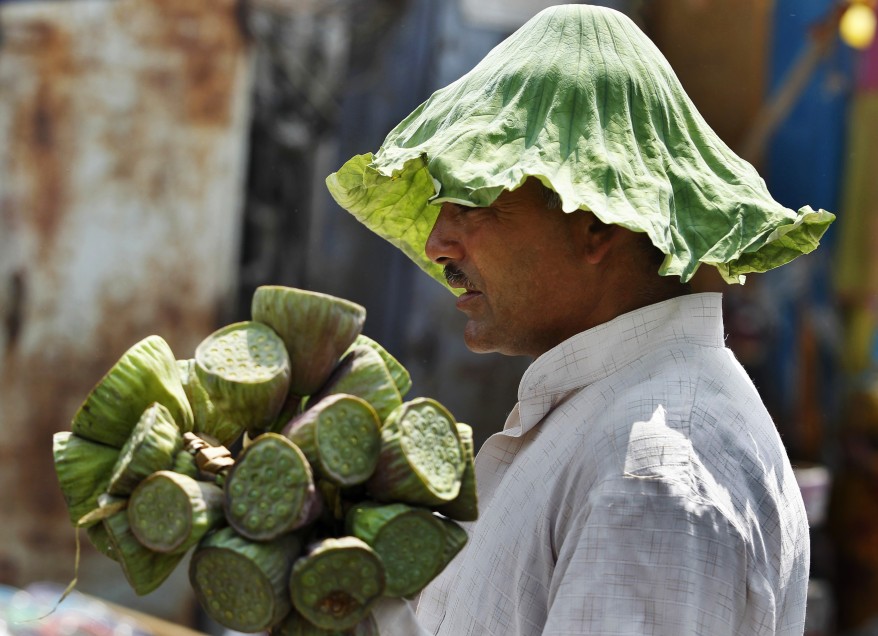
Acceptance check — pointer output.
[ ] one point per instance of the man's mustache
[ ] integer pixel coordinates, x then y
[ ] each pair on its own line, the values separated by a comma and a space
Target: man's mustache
456, 277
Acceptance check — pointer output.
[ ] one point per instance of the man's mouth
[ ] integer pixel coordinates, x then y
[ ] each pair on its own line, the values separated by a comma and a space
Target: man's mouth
457, 279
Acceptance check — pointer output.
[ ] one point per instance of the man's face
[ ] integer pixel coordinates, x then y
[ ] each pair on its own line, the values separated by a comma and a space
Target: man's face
521, 267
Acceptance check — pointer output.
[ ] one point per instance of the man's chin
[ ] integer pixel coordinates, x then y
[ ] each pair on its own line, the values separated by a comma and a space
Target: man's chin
476, 340
479, 338
478, 348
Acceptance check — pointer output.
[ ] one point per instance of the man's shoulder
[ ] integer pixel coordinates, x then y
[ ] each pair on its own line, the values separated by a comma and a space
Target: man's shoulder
681, 412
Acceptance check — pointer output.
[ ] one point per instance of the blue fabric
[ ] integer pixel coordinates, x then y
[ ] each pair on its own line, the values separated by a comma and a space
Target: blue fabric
805, 162
805, 156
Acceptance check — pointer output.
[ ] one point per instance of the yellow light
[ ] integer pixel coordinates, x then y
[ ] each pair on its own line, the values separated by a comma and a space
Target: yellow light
857, 26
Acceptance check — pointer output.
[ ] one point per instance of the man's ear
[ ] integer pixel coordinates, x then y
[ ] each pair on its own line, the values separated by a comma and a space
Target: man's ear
597, 238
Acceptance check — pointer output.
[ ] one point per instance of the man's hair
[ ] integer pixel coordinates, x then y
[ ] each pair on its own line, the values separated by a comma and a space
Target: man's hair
551, 198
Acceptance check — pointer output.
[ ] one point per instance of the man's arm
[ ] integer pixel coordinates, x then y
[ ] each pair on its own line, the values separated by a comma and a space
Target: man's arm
643, 559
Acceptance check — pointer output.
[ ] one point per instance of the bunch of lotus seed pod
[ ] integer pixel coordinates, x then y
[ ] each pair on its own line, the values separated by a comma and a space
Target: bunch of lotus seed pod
283, 459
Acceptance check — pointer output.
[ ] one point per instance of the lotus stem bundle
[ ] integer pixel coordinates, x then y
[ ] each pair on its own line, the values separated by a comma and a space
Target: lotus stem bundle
284, 431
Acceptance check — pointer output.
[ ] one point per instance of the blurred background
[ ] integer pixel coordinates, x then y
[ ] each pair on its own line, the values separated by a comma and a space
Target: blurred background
159, 160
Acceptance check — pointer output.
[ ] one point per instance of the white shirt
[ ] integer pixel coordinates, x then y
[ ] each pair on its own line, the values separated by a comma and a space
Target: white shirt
638, 487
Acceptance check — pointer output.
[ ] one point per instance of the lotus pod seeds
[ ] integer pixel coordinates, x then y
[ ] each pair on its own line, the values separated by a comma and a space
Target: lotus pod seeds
242, 584
245, 369
464, 507
170, 512
144, 569
421, 459
270, 489
335, 585
340, 436
410, 542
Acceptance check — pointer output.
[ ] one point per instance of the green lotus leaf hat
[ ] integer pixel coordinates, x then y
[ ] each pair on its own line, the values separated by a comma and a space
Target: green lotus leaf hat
581, 99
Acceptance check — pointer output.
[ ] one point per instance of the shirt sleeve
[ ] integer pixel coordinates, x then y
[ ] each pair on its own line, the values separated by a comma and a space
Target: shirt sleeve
643, 559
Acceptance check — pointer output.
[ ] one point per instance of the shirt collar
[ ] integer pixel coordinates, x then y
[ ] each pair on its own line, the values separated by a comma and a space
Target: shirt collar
599, 352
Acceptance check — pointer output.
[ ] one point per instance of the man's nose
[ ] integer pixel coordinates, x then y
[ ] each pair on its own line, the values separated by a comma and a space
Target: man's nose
443, 244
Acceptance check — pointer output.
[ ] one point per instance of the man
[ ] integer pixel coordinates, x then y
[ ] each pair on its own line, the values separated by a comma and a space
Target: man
567, 189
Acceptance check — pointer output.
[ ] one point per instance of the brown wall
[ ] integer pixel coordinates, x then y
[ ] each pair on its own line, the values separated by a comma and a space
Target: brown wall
719, 49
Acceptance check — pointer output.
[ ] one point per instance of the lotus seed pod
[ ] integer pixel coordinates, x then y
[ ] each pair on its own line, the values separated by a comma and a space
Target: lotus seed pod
455, 539
245, 369
153, 445
410, 542
84, 469
297, 625
336, 584
340, 435
399, 373
316, 329
421, 460
270, 489
184, 463
209, 421
169, 512
363, 373
242, 584
146, 373
144, 569
464, 507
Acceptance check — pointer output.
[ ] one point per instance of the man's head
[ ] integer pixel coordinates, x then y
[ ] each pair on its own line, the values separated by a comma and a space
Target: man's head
582, 99
534, 275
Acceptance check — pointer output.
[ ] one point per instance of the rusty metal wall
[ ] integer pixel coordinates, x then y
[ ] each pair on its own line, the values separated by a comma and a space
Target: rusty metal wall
123, 129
